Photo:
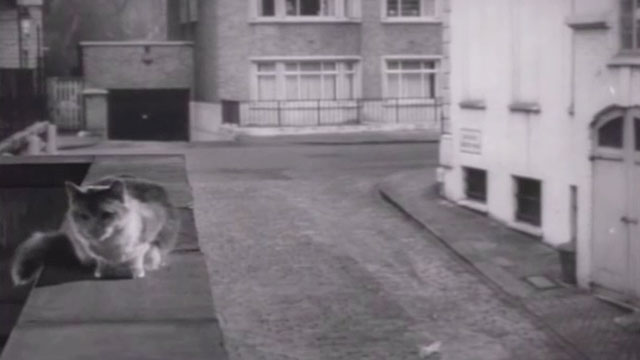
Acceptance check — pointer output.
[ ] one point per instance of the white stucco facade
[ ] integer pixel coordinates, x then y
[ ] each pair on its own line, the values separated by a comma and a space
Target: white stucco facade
527, 79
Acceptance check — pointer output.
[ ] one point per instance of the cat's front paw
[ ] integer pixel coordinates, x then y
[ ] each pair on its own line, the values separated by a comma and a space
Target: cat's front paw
138, 273
97, 273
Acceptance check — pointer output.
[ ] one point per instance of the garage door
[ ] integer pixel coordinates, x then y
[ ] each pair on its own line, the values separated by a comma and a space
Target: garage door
149, 114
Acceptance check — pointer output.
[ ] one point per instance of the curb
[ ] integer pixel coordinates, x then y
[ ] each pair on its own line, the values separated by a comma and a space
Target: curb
325, 129
566, 345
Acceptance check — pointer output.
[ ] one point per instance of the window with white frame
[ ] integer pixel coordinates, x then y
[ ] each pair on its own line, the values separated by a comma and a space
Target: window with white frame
399, 9
305, 80
330, 9
411, 78
630, 24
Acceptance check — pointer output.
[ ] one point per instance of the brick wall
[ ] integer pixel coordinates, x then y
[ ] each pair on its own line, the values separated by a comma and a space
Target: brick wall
69, 22
10, 42
382, 39
122, 66
227, 39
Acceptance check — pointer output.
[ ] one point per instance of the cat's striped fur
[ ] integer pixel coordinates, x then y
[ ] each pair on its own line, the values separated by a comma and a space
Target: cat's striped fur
118, 223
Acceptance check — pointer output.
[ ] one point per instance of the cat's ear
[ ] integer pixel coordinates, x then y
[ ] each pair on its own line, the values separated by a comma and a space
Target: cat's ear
117, 189
72, 190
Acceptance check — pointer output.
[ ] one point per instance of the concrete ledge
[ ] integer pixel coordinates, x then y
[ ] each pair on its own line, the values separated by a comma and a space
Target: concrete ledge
588, 22
169, 314
325, 129
117, 340
525, 107
473, 104
178, 292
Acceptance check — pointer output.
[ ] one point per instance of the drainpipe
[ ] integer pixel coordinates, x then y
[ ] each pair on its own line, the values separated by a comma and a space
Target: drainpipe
572, 86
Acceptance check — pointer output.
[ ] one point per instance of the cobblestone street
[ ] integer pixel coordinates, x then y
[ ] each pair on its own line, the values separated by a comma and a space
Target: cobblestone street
306, 261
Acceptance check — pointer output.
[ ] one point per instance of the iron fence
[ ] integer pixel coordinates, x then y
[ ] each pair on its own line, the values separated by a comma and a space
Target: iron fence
64, 103
426, 112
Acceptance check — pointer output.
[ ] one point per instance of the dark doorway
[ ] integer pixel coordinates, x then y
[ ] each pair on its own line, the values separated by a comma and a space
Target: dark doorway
149, 115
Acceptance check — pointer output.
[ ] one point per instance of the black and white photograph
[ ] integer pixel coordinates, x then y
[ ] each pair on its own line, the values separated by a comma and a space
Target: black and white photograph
320, 179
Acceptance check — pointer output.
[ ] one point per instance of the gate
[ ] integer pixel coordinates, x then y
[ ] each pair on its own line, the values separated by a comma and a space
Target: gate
65, 103
616, 201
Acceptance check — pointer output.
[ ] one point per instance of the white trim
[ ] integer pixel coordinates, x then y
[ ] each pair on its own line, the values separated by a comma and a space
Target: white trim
437, 71
414, 20
304, 20
422, 18
306, 58
412, 57
340, 72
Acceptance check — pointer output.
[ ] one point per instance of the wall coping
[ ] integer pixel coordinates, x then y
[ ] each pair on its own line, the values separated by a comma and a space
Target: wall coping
30, 2
135, 43
173, 314
92, 91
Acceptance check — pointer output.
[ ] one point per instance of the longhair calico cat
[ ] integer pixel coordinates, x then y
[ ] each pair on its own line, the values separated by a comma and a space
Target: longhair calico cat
117, 224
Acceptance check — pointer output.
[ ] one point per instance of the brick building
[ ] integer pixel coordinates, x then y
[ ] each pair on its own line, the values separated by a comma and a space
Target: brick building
20, 63
274, 62
133, 73
297, 56
20, 34
545, 126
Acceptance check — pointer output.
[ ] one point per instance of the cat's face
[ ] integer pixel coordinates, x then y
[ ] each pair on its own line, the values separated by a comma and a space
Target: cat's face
97, 211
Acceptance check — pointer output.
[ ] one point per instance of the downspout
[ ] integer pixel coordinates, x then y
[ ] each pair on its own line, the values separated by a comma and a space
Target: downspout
19, 34
572, 85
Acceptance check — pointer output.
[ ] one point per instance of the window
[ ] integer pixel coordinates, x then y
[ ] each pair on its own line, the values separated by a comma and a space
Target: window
630, 24
305, 80
528, 200
476, 184
395, 9
330, 9
611, 133
410, 78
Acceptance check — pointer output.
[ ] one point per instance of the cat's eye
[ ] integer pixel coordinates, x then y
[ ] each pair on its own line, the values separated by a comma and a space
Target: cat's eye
82, 216
106, 215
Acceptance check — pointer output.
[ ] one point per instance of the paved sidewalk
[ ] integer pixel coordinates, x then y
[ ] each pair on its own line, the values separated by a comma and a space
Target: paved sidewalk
354, 138
508, 258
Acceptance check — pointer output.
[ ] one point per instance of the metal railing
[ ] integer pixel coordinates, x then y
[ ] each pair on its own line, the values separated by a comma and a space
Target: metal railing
64, 103
278, 113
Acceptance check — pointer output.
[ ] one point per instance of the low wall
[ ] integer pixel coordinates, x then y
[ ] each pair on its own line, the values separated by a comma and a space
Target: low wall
205, 121
169, 314
340, 112
138, 65
25, 185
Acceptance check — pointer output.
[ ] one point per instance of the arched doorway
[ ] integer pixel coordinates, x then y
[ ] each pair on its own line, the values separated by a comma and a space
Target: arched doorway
616, 200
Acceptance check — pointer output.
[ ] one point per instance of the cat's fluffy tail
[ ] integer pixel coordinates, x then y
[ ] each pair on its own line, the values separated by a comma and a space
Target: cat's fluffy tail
31, 255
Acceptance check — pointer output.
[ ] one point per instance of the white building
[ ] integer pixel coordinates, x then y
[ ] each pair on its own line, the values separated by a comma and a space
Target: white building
545, 125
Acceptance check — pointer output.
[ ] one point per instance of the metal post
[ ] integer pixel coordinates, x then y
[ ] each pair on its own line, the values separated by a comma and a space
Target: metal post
33, 144
52, 139
279, 112
318, 111
435, 113
397, 110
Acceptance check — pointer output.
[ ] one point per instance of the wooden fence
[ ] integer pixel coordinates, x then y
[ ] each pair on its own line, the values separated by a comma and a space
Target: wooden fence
65, 103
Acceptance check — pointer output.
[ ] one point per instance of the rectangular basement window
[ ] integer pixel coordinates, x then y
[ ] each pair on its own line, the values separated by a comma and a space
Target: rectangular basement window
475, 184
528, 200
